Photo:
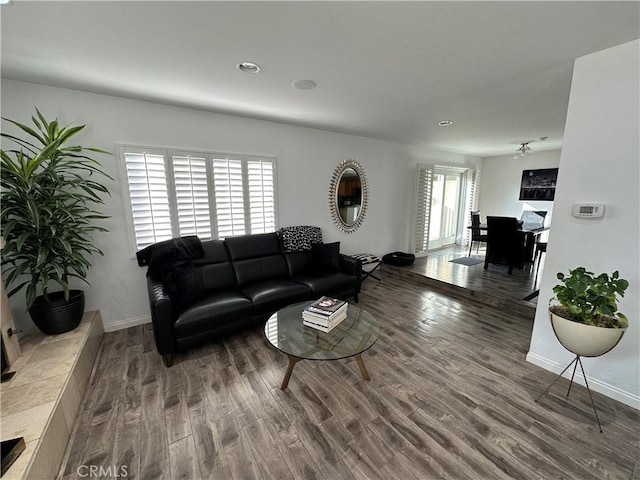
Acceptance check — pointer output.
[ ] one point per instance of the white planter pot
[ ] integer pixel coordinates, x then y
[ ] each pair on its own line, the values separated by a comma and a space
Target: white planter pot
585, 340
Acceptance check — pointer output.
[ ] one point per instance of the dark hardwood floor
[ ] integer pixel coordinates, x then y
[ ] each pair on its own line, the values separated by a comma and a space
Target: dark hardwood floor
494, 281
451, 397
492, 287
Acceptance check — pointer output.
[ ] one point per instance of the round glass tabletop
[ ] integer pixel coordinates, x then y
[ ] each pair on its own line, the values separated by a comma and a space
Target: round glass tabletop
354, 335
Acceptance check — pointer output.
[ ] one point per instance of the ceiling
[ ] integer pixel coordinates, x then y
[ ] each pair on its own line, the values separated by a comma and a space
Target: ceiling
501, 71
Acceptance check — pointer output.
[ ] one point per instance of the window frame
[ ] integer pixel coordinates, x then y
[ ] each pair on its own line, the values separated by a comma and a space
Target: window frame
168, 153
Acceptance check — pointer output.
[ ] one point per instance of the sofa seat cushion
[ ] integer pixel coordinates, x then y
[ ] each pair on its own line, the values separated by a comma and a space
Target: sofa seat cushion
326, 282
212, 311
271, 295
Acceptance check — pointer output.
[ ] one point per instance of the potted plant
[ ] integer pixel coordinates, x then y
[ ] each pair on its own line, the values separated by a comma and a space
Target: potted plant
587, 321
48, 216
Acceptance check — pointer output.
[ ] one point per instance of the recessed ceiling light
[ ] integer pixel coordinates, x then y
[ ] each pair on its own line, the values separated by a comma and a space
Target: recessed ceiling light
249, 67
304, 84
445, 123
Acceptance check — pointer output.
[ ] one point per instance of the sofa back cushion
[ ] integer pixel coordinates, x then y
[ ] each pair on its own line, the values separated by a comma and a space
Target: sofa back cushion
256, 258
215, 266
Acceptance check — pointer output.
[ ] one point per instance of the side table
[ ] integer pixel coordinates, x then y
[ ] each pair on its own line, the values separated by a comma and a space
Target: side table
371, 260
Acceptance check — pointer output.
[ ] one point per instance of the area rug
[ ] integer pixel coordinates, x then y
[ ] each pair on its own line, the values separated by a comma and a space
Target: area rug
468, 261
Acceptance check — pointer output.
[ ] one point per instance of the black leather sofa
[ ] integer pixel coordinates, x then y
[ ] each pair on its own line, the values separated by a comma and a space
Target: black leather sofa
238, 283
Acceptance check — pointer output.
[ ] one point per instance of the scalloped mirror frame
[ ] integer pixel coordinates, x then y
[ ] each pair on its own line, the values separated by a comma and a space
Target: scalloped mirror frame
333, 195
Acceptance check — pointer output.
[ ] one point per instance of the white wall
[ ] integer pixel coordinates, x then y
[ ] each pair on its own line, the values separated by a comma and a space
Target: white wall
600, 163
500, 184
306, 160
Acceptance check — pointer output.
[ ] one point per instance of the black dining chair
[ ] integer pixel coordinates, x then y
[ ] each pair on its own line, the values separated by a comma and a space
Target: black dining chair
505, 243
476, 234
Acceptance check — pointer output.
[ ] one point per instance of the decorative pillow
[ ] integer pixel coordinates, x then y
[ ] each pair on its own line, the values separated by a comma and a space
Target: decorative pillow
299, 238
326, 256
184, 282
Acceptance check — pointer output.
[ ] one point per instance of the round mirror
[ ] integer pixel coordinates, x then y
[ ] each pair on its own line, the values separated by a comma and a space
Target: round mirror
348, 195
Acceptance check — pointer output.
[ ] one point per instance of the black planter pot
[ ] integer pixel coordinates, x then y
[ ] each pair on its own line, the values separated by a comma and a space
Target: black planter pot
58, 315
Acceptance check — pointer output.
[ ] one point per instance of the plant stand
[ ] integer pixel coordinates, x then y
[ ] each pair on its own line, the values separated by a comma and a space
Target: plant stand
575, 363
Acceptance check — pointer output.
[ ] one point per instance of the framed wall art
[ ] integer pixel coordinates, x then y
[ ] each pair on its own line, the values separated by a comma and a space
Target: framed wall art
538, 184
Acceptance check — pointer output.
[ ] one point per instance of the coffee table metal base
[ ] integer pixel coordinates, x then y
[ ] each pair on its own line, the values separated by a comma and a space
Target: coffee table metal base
293, 360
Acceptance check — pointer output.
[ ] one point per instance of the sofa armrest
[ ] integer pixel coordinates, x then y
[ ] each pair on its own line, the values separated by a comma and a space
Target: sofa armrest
352, 266
161, 316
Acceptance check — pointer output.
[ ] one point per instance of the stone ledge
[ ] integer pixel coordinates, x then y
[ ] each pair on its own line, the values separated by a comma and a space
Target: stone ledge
41, 402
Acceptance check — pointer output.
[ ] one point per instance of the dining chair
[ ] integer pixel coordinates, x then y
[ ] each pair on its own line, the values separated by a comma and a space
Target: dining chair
505, 243
476, 234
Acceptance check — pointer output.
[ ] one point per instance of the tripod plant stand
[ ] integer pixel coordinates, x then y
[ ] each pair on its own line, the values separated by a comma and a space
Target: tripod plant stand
583, 341
575, 363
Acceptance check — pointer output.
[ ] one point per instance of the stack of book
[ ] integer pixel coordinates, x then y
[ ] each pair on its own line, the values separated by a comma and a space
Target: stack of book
325, 313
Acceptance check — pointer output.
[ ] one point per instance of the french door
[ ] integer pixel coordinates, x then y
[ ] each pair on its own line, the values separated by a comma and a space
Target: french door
445, 205
445, 197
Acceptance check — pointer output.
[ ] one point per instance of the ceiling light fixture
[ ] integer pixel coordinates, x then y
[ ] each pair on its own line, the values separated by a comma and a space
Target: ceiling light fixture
445, 123
304, 84
523, 151
249, 67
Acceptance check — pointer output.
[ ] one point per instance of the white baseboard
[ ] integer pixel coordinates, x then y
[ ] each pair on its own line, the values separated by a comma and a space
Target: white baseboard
594, 384
122, 324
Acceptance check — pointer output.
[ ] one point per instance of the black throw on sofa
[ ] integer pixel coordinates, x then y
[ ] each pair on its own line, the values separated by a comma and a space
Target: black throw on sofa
202, 290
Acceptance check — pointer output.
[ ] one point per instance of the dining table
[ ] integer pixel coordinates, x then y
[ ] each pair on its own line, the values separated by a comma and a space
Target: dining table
529, 232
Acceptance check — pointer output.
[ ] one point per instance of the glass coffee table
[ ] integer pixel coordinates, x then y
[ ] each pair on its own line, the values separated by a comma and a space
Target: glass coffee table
353, 336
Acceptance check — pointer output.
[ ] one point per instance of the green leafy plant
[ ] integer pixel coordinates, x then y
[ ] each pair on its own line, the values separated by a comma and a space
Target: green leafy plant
591, 299
48, 199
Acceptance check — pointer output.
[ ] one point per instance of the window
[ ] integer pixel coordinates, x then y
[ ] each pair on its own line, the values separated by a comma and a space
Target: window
440, 218
445, 203
177, 193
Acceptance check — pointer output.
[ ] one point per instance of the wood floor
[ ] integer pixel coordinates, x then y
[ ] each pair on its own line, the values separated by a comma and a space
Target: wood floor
450, 397
494, 281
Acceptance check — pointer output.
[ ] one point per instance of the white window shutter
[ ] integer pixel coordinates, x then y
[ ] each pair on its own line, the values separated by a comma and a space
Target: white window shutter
210, 195
192, 195
229, 196
149, 198
424, 183
472, 204
261, 191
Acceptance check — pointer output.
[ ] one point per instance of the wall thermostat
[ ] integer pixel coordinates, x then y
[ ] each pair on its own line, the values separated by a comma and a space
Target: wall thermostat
591, 210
